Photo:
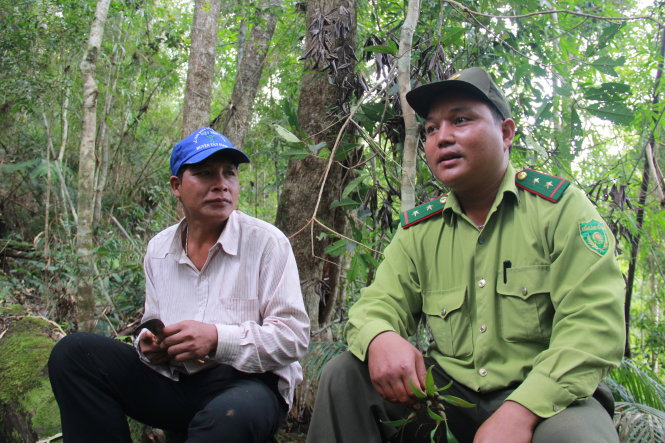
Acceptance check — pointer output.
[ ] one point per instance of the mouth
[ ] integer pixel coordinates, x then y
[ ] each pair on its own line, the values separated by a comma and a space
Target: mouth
219, 201
449, 157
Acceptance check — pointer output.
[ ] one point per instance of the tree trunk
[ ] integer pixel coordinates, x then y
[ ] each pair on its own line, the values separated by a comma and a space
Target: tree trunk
196, 113
28, 411
410, 124
332, 26
254, 52
85, 302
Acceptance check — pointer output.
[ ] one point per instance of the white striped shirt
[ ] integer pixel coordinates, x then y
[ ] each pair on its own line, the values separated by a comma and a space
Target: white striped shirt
248, 288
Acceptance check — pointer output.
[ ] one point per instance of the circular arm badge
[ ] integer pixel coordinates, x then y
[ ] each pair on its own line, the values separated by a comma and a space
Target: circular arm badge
595, 236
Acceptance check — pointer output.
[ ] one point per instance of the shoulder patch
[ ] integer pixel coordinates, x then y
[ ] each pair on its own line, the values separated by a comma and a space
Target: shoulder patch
595, 236
423, 212
549, 187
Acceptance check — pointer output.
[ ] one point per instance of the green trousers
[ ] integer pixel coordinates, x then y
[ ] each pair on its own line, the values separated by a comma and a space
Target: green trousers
348, 409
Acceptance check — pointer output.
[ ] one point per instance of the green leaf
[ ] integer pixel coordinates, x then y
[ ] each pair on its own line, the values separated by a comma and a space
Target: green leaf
433, 415
430, 386
452, 34
608, 92
353, 185
286, 134
416, 392
456, 401
544, 112
396, 423
336, 249
389, 48
607, 64
450, 383
449, 435
432, 435
614, 112
344, 203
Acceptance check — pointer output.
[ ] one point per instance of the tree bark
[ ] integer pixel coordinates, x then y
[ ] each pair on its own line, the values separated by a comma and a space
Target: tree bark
85, 302
254, 52
410, 124
196, 112
320, 118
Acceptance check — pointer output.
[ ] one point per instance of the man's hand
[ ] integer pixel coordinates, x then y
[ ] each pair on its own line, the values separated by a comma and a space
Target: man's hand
189, 339
392, 362
512, 422
150, 347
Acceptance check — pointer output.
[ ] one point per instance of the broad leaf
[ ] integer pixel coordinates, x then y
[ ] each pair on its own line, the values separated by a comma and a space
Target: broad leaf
286, 134
336, 249
607, 64
614, 112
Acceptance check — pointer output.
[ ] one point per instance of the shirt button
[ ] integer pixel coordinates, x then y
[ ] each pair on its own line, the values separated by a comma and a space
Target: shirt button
443, 311
482, 282
525, 291
482, 372
481, 240
483, 328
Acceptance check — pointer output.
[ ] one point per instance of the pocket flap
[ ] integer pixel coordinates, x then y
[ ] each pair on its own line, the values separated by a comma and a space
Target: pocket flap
442, 303
524, 282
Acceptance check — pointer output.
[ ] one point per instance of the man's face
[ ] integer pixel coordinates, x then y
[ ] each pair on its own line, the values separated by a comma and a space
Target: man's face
466, 148
208, 190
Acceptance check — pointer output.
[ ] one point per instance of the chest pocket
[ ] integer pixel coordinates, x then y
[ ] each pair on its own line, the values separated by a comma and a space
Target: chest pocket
525, 308
449, 321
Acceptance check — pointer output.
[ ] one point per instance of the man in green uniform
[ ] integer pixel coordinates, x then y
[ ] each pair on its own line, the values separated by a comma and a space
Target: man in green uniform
515, 274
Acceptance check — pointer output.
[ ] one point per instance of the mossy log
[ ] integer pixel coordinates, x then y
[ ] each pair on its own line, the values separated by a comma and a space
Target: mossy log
28, 411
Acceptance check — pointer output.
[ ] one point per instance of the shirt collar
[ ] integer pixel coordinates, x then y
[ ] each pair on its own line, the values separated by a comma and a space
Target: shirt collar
228, 240
507, 187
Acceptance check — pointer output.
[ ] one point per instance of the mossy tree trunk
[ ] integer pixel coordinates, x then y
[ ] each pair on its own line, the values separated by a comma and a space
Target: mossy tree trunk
28, 411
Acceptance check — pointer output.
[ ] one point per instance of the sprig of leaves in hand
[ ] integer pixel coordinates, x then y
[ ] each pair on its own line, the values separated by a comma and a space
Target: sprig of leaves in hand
432, 402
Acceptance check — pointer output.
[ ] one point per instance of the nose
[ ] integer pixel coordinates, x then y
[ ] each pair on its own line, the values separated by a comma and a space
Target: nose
444, 134
220, 182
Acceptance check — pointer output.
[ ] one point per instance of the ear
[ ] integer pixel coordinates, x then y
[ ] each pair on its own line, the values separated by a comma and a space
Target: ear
175, 185
508, 132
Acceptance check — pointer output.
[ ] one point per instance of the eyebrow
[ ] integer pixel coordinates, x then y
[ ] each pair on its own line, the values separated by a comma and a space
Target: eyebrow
455, 110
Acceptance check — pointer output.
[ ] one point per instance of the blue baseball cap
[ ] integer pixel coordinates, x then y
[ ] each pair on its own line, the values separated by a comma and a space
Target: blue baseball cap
200, 145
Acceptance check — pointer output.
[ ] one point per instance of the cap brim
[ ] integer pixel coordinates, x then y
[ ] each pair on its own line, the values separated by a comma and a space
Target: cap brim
236, 155
422, 98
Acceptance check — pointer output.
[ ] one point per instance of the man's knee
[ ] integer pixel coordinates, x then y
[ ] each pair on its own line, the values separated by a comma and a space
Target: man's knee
344, 370
583, 421
248, 412
68, 350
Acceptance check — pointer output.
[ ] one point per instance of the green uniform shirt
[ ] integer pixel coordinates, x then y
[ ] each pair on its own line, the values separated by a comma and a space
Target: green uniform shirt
529, 301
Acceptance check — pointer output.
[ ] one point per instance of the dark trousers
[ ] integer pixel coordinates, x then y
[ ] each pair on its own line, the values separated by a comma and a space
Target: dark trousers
97, 381
348, 409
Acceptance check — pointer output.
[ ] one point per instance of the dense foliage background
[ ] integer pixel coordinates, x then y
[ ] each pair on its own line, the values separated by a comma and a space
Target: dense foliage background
584, 79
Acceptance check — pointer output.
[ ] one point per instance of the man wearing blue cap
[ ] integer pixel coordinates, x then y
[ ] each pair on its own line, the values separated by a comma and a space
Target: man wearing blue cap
223, 328
516, 277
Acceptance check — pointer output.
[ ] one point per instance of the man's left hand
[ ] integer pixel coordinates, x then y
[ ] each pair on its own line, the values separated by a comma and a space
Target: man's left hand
512, 423
189, 339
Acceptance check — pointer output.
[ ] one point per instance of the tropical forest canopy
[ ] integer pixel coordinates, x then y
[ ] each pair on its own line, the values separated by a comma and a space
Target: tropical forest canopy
583, 78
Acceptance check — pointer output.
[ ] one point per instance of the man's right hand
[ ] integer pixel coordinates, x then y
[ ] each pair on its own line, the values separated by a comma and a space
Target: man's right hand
392, 362
150, 347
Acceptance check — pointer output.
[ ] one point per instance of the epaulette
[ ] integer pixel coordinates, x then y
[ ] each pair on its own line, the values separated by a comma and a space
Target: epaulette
549, 187
423, 212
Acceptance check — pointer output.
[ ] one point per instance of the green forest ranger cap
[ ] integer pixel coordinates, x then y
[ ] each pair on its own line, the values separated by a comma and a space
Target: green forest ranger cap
200, 145
474, 80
